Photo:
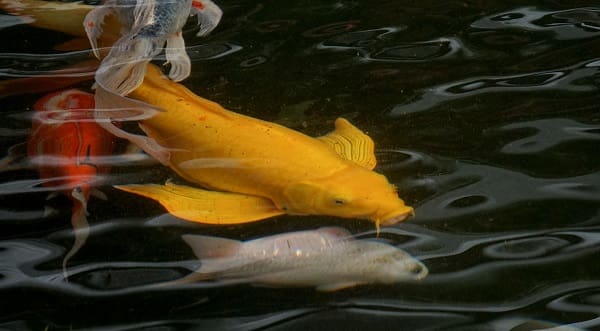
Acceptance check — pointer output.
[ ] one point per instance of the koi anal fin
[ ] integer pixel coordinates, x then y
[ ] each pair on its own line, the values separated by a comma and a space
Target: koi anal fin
351, 144
209, 207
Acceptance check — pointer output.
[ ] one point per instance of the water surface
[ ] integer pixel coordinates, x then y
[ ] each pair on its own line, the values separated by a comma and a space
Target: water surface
484, 113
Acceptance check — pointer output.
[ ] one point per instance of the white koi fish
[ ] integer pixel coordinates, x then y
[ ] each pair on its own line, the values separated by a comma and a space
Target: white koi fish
328, 258
146, 25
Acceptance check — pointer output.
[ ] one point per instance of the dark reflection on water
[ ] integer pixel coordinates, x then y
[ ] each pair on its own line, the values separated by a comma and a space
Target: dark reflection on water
485, 116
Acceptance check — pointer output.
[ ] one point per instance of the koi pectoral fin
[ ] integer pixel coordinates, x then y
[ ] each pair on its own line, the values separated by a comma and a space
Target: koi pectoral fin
209, 15
209, 207
177, 58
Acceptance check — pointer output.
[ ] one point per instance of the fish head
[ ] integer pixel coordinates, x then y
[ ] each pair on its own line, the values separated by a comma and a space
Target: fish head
396, 265
353, 192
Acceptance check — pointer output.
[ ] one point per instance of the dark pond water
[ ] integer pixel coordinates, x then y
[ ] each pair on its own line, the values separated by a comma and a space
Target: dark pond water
485, 115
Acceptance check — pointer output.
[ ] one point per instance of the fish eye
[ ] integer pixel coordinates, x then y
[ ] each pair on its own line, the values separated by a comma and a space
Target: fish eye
417, 269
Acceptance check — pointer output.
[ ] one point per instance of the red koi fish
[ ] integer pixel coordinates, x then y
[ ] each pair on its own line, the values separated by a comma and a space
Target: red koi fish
65, 145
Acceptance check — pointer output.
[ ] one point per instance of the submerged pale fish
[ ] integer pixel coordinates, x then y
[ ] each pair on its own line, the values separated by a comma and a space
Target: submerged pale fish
146, 25
327, 258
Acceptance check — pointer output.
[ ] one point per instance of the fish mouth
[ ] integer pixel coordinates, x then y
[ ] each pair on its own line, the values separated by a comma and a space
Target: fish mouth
397, 217
419, 271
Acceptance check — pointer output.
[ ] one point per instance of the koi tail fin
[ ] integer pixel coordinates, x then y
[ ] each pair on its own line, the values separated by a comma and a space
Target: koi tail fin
123, 70
80, 226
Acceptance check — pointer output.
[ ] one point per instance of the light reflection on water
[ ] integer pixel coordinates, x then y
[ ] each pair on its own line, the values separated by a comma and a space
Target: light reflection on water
485, 117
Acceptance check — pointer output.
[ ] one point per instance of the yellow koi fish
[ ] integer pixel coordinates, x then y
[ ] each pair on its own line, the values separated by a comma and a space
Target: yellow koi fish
255, 169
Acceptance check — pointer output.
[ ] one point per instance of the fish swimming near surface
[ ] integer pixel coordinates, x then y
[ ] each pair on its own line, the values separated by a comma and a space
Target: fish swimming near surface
255, 169
146, 26
327, 258
64, 144
137, 29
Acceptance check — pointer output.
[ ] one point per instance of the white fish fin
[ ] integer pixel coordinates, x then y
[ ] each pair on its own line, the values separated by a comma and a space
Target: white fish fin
336, 286
80, 227
123, 70
149, 145
49, 211
93, 25
209, 15
52, 196
98, 194
113, 107
16, 155
206, 247
336, 231
143, 12
178, 58
192, 277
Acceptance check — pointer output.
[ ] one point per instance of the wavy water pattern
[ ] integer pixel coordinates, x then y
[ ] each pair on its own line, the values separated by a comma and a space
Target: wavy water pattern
577, 23
484, 116
549, 133
568, 79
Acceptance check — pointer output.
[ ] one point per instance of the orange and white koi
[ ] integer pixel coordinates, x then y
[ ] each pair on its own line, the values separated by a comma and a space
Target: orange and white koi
63, 145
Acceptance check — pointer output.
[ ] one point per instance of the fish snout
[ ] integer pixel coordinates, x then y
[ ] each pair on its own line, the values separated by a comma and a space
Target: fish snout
418, 270
396, 216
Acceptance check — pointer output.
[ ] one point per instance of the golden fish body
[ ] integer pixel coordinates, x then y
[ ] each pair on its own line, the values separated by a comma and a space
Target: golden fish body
231, 152
260, 169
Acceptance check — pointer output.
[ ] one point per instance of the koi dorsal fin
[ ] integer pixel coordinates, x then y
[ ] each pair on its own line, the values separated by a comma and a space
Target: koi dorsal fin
351, 144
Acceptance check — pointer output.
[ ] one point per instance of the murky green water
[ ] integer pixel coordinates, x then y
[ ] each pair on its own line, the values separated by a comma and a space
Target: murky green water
485, 115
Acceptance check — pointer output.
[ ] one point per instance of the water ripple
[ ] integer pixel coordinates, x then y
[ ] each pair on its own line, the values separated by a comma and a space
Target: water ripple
573, 79
548, 133
570, 24
8, 20
426, 51
472, 188
212, 51
374, 46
